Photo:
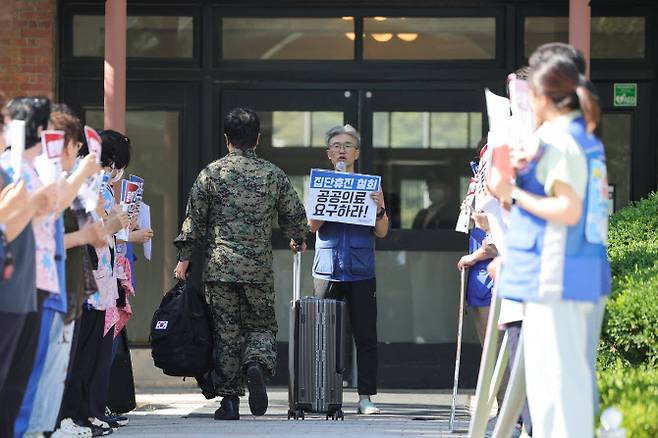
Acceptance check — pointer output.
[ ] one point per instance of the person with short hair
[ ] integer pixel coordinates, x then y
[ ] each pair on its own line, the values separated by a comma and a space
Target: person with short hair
344, 266
230, 211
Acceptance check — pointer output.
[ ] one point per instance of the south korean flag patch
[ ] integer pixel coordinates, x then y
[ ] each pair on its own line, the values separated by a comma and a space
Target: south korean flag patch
161, 325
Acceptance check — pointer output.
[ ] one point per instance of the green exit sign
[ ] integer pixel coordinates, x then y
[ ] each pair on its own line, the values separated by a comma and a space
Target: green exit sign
625, 95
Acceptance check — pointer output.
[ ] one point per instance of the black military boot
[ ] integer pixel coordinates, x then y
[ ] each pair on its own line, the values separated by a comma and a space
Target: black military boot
257, 389
229, 408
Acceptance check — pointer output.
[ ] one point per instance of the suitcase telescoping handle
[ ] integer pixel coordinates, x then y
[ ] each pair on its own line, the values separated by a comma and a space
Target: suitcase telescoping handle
296, 276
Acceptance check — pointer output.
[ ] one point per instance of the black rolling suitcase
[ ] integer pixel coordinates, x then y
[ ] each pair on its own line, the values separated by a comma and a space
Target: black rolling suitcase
317, 329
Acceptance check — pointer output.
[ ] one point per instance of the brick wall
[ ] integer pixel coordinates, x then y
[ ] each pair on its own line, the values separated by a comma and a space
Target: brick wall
27, 47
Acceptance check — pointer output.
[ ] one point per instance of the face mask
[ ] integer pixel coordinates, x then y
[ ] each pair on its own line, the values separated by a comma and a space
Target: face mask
117, 177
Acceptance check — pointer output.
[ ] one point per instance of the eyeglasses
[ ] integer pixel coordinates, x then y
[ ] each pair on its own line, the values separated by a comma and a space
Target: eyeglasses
347, 146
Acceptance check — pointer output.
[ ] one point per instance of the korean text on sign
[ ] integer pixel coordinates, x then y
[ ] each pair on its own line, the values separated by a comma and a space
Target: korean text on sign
342, 197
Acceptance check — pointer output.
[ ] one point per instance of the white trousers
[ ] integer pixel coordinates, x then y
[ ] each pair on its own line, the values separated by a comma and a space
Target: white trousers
50, 390
559, 377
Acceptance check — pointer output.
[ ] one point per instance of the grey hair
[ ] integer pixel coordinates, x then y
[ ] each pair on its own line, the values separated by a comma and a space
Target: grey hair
347, 129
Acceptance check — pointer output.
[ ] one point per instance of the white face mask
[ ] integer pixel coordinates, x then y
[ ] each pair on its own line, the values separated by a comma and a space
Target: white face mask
117, 177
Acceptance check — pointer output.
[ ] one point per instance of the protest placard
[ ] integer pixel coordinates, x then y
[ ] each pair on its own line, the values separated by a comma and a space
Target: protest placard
342, 197
143, 223
94, 142
522, 119
128, 196
48, 164
140, 194
482, 195
89, 191
16, 139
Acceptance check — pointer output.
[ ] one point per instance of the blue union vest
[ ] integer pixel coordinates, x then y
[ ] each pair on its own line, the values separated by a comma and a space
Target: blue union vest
344, 252
579, 268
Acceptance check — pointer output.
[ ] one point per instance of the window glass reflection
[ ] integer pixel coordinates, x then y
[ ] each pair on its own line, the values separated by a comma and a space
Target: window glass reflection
429, 38
437, 130
611, 37
302, 128
148, 36
287, 38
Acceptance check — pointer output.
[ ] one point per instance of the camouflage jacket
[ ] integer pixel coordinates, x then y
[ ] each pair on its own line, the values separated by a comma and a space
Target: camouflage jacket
230, 213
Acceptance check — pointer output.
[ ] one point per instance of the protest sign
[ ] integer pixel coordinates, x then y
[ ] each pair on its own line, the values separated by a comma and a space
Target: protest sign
89, 191
128, 196
343, 197
523, 119
464, 219
48, 164
94, 143
498, 112
140, 193
16, 139
482, 195
143, 223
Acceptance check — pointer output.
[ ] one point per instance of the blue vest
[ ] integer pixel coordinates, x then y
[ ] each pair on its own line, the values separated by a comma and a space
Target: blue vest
580, 270
344, 252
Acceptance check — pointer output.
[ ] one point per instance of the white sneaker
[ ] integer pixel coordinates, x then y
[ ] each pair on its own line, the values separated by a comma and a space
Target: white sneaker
33, 435
367, 407
68, 429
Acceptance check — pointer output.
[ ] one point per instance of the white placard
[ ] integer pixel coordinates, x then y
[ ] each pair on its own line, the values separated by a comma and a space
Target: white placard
16, 139
498, 112
342, 197
143, 223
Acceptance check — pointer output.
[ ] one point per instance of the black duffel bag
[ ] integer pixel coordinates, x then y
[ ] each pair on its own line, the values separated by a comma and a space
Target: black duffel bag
181, 337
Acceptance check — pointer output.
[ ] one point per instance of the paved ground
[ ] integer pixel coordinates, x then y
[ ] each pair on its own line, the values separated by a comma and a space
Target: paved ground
185, 413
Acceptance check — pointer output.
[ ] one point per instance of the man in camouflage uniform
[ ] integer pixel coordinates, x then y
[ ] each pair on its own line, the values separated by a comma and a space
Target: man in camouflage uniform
230, 212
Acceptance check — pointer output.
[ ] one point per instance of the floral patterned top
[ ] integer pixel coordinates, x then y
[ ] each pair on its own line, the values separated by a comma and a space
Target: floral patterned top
44, 230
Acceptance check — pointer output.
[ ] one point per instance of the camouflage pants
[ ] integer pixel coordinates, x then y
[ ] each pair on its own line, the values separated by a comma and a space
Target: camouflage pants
244, 330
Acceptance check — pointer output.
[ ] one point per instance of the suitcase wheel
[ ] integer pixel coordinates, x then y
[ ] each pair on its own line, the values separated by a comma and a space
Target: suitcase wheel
336, 415
297, 414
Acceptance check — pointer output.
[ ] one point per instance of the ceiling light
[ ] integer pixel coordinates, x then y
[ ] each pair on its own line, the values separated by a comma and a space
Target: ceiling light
347, 18
380, 18
382, 37
350, 35
407, 37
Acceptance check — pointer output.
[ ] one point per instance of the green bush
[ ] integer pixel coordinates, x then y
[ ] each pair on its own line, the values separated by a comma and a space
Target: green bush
630, 333
634, 391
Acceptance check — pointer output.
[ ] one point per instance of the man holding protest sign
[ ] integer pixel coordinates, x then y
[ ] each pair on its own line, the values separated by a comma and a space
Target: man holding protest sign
347, 220
230, 212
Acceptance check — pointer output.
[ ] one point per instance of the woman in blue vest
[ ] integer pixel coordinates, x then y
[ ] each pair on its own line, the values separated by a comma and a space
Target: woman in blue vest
556, 259
344, 266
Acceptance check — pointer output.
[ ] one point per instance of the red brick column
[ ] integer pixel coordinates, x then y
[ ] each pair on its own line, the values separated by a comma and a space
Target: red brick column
27, 47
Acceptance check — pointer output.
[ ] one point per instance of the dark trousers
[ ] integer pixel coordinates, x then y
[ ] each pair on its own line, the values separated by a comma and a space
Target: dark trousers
11, 325
99, 386
20, 369
75, 403
361, 300
513, 333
